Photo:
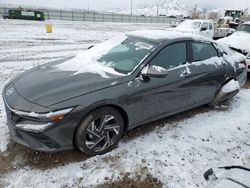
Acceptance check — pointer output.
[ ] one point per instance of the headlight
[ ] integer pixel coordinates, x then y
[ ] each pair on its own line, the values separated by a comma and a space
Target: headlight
50, 116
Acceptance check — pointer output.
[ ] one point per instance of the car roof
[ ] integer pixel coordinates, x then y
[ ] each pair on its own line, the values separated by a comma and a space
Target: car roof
163, 35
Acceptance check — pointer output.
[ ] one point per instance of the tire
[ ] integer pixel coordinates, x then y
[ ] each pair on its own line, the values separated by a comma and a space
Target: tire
100, 131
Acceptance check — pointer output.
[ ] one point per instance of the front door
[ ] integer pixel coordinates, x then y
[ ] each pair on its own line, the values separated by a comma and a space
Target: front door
168, 95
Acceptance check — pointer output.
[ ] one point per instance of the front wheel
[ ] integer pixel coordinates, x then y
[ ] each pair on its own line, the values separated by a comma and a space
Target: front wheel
100, 131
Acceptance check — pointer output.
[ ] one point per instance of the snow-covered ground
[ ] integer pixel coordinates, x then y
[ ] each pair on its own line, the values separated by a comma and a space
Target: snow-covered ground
177, 152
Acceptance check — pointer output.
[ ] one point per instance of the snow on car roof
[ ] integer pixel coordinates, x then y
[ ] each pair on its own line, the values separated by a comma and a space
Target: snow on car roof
161, 35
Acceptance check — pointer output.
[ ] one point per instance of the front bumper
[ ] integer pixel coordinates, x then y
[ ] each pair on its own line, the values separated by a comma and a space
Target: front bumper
57, 135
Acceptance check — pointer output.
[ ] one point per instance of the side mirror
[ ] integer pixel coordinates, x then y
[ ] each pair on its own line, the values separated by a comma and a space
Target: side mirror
154, 71
203, 29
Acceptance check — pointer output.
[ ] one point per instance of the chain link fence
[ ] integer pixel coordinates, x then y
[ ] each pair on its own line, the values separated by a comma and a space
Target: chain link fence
92, 16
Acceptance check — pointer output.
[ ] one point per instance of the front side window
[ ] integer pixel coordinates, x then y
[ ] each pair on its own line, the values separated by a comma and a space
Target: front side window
203, 51
205, 26
171, 56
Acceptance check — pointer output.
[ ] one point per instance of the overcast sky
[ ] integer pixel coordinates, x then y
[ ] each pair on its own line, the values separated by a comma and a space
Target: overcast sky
111, 4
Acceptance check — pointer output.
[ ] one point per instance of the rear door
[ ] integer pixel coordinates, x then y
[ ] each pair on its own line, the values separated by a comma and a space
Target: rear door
208, 72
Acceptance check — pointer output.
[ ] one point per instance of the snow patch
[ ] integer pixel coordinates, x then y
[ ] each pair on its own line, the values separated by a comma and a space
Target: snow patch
233, 85
158, 68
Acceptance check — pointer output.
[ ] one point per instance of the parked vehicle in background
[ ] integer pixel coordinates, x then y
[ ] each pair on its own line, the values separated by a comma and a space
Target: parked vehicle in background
25, 14
90, 100
198, 27
226, 25
229, 176
240, 41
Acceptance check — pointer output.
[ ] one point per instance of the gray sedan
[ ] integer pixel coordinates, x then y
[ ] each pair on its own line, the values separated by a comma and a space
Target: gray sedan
90, 100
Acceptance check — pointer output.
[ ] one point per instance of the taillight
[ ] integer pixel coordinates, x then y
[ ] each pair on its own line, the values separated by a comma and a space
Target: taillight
243, 63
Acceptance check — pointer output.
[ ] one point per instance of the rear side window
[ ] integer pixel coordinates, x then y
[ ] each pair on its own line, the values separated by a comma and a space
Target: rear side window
203, 51
171, 56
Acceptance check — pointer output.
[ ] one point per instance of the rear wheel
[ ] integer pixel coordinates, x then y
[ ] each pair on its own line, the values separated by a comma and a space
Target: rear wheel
100, 131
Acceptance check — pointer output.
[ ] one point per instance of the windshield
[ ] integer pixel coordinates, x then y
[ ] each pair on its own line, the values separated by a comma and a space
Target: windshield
118, 56
233, 13
190, 24
245, 28
126, 56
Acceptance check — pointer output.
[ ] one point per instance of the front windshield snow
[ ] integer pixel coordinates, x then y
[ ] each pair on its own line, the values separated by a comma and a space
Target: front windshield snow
118, 56
125, 56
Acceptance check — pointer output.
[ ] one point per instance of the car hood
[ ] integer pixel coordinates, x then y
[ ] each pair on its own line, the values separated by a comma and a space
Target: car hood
239, 40
52, 83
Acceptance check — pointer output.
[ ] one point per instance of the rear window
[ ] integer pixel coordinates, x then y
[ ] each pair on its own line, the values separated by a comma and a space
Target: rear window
203, 51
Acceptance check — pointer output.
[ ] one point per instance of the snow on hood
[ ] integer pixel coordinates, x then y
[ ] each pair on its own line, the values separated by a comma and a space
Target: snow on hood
239, 40
87, 61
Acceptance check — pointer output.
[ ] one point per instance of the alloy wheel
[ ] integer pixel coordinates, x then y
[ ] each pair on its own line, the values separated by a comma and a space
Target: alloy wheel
102, 133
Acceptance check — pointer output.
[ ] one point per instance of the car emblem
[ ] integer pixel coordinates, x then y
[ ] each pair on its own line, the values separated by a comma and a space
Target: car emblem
10, 91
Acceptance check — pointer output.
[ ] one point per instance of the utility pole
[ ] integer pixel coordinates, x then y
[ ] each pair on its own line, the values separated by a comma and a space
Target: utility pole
131, 7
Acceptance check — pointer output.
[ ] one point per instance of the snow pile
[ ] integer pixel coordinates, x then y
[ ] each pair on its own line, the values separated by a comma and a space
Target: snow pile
87, 61
239, 40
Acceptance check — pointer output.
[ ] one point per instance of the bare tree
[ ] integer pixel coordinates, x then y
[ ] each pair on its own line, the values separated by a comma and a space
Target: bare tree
213, 15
